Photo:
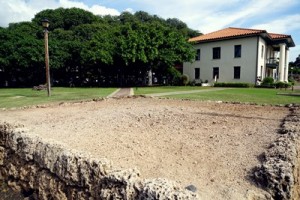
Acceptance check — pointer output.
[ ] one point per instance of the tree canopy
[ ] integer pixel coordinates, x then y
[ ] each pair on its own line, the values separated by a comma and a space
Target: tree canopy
90, 50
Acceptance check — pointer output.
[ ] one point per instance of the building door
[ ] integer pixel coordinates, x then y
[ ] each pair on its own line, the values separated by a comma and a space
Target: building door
216, 73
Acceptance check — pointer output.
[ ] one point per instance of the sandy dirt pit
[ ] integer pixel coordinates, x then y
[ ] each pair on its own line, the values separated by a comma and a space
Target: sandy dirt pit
213, 146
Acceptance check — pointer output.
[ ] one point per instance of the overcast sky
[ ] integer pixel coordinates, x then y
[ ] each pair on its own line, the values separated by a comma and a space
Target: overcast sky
274, 16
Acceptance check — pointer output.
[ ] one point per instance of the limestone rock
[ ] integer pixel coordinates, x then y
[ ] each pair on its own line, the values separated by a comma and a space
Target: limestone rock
278, 173
163, 189
47, 170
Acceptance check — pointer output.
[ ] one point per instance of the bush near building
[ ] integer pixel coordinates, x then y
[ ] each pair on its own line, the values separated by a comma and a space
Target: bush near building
239, 85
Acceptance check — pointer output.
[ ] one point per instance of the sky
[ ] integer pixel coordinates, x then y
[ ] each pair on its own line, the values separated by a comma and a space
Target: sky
274, 16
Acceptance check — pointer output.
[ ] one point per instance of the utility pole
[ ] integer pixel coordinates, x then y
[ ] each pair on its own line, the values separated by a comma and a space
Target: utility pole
45, 23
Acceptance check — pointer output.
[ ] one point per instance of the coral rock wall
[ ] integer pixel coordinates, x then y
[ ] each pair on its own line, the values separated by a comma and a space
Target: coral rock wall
279, 173
43, 170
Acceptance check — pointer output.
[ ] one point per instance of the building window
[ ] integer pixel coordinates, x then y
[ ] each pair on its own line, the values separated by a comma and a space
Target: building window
197, 73
216, 52
262, 51
237, 51
216, 72
237, 72
197, 55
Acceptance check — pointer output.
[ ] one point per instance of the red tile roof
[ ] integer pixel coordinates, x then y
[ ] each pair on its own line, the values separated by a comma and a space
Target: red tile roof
278, 36
226, 33
231, 32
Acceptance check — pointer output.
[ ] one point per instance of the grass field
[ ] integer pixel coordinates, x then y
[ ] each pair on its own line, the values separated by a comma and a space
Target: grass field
163, 89
26, 96
251, 95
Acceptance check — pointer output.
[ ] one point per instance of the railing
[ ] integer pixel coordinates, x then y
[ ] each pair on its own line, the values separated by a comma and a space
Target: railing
272, 62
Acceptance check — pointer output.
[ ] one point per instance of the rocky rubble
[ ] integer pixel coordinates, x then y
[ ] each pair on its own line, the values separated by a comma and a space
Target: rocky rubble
279, 173
45, 170
212, 146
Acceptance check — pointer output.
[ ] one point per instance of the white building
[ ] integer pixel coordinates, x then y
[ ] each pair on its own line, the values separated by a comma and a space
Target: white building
239, 55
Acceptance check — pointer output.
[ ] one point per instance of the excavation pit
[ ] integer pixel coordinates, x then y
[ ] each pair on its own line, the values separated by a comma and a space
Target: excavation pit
134, 145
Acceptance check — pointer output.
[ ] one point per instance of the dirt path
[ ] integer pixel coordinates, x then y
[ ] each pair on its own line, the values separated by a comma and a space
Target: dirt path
213, 146
122, 92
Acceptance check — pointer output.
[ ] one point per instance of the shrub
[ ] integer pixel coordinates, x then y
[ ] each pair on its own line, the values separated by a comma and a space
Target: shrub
185, 79
195, 82
268, 80
176, 76
265, 86
292, 80
281, 84
241, 85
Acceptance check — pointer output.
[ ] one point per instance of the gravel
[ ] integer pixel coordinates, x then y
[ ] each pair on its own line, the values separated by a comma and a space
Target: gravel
212, 146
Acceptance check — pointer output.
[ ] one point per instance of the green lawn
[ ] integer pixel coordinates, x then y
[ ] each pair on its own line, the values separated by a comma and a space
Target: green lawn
163, 89
26, 96
251, 95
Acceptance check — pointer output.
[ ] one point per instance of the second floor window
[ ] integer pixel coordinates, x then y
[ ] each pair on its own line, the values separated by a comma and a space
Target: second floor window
217, 53
237, 51
197, 55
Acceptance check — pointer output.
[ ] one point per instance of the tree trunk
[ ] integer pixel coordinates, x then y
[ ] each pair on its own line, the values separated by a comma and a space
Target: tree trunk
150, 77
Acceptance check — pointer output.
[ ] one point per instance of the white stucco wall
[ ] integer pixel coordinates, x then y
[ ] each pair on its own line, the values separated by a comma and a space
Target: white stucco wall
262, 54
226, 64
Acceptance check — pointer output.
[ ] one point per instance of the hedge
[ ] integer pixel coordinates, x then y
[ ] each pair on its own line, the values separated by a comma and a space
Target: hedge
240, 85
278, 84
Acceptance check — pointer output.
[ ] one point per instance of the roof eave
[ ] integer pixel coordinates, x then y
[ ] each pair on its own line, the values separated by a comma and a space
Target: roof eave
291, 41
225, 38
288, 41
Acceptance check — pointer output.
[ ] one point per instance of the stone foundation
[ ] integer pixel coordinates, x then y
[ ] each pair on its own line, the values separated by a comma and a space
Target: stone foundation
279, 173
45, 170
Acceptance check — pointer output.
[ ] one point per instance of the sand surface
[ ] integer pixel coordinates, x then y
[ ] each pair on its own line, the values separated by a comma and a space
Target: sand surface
213, 146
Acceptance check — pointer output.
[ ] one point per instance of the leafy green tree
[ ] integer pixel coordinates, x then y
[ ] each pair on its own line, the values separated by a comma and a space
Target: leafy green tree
182, 27
297, 61
151, 45
22, 54
65, 18
86, 49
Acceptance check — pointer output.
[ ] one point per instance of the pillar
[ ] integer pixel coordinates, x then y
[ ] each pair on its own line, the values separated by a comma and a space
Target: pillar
282, 61
286, 71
